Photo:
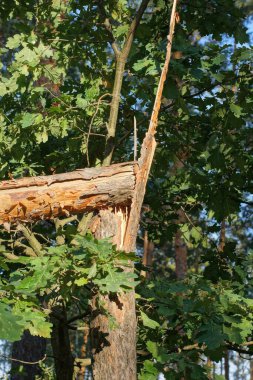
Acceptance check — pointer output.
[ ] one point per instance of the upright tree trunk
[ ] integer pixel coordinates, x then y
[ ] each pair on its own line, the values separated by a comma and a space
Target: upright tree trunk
63, 359
251, 369
147, 254
29, 349
226, 365
83, 355
113, 349
180, 256
179, 243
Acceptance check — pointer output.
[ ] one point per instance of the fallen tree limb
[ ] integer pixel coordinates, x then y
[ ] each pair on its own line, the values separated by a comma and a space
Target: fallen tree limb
76, 192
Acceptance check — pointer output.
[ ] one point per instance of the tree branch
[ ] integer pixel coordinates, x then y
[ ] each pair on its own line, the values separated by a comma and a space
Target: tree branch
118, 79
240, 350
30, 237
108, 28
134, 25
77, 317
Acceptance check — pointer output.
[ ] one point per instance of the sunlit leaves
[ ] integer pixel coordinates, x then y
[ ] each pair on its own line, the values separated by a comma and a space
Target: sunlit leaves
148, 322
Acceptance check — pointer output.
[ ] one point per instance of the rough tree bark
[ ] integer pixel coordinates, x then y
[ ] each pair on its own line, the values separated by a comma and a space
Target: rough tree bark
114, 352
113, 349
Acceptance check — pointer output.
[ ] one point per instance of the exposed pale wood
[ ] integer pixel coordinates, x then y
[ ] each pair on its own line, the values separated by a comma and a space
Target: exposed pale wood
113, 353
148, 148
68, 193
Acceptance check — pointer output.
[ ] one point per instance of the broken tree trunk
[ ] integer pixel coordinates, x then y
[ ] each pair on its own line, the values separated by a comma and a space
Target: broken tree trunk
114, 351
148, 148
57, 195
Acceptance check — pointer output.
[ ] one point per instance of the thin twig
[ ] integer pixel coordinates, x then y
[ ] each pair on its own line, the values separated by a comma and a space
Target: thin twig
91, 123
22, 361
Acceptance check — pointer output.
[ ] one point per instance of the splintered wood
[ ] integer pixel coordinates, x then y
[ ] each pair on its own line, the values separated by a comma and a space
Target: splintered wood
76, 192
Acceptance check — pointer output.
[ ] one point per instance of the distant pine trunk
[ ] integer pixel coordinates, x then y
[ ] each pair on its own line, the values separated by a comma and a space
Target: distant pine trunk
226, 365
180, 256
63, 359
179, 243
147, 259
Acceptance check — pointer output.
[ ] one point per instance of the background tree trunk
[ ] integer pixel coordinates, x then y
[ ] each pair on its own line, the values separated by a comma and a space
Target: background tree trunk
83, 354
226, 365
251, 369
63, 359
147, 259
179, 243
29, 349
180, 256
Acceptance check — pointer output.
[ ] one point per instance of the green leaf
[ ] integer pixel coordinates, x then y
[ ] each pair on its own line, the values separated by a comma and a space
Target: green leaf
81, 102
219, 59
14, 42
157, 352
147, 322
92, 271
121, 30
28, 120
141, 64
3, 89
149, 372
211, 335
10, 325
81, 281
237, 110
116, 282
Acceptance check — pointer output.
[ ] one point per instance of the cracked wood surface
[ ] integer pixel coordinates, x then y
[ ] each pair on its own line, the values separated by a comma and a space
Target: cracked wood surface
148, 148
63, 194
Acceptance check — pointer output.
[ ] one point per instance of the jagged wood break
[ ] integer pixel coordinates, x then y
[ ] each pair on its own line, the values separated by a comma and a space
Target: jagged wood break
83, 190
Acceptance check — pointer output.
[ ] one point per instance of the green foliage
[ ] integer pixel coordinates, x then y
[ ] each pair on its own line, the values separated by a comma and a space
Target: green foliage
56, 78
95, 264
193, 318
